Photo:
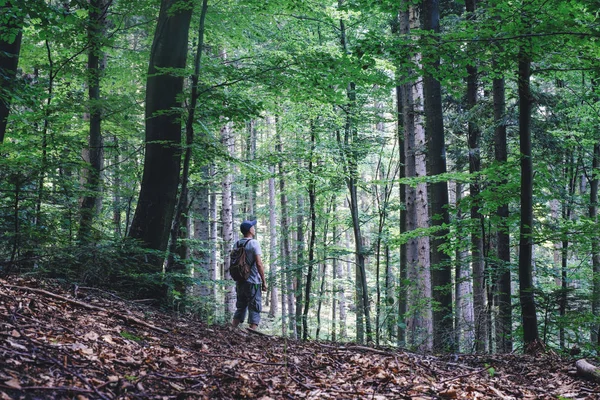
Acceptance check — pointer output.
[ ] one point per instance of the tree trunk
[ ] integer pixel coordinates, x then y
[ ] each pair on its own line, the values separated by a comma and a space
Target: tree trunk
441, 268
504, 318
204, 270
288, 290
526, 288
9, 59
299, 268
227, 140
312, 197
402, 292
156, 205
351, 171
272, 245
90, 205
477, 253
593, 210
419, 318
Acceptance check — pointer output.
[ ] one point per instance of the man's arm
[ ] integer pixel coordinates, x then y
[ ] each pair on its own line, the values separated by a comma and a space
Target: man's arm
261, 272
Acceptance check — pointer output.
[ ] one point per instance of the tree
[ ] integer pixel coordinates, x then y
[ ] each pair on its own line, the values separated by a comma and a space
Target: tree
526, 294
434, 129
92, 200
158, 193
10, 48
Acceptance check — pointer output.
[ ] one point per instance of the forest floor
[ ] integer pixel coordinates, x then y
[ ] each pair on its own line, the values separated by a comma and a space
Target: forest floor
89, 344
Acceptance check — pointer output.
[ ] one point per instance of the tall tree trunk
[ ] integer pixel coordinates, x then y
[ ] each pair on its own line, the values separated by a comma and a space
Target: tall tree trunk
288, 291
477, 253
214, 228
250, 184
402, 292
571, 173
9, 58
593, 211
92, 199
227, 140
419, 329
204, 270
440, 261
504, 318
299, 269
351, 170
323, 269
526, 288
272, 245
182, 207
158, 196
312, 197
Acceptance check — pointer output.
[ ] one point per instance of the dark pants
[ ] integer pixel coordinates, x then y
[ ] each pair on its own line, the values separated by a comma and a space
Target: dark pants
248, 298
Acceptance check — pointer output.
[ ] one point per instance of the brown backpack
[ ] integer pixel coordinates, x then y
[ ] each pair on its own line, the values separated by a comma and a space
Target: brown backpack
239, 269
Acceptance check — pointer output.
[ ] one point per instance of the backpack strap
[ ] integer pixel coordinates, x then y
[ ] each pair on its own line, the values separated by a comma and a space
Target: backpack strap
245, 244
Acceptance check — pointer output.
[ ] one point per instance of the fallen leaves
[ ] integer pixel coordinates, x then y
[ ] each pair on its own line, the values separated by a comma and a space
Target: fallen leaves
60, 347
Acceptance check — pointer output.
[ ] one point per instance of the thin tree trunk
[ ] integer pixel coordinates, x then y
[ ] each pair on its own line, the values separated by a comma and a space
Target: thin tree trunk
312, 197
477, 253
526, 288
593, 210
351, 170
92, 199
204, 271
571, 175
227, 221
182, 207
504, 318
299, 269
402, 292
323, 271
288, 291
272, 245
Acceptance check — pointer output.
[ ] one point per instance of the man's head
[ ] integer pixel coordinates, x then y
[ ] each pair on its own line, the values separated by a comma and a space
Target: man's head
246, 227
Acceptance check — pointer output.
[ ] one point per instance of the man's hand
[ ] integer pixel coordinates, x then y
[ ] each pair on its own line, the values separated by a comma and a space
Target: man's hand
264, 287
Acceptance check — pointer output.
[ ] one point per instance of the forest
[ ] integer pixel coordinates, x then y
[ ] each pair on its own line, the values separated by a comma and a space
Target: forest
424, 173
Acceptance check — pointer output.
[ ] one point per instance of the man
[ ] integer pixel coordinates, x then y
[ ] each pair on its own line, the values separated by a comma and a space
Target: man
249, 292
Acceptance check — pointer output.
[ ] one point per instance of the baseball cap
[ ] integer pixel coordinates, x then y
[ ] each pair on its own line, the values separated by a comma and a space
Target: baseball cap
246, 225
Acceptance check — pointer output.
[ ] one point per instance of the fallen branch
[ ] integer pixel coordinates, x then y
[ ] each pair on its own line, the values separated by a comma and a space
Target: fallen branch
465, 375
91, 307
587, 370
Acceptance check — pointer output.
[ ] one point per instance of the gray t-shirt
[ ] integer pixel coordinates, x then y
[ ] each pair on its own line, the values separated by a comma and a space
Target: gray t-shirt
252, 250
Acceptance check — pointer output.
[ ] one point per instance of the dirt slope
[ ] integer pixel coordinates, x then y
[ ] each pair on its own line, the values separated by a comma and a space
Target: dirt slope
57, 344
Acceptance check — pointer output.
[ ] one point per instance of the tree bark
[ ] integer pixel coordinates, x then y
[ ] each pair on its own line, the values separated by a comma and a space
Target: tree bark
273, 310
587, 370
288, 289
440, 262
182, 207
504, 286
526, 288
402, 292
593, 211
227, 140
299, 268
477, 253
156, 205
90, 205
312, 197
10, 48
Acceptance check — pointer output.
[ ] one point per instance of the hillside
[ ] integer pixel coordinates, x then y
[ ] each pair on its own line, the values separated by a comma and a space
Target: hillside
89, 344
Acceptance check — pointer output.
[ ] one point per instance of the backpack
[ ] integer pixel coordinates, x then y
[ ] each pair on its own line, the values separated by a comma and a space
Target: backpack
239, 267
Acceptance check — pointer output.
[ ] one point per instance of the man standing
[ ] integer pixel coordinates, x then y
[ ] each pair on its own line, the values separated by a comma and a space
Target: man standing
249, 292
